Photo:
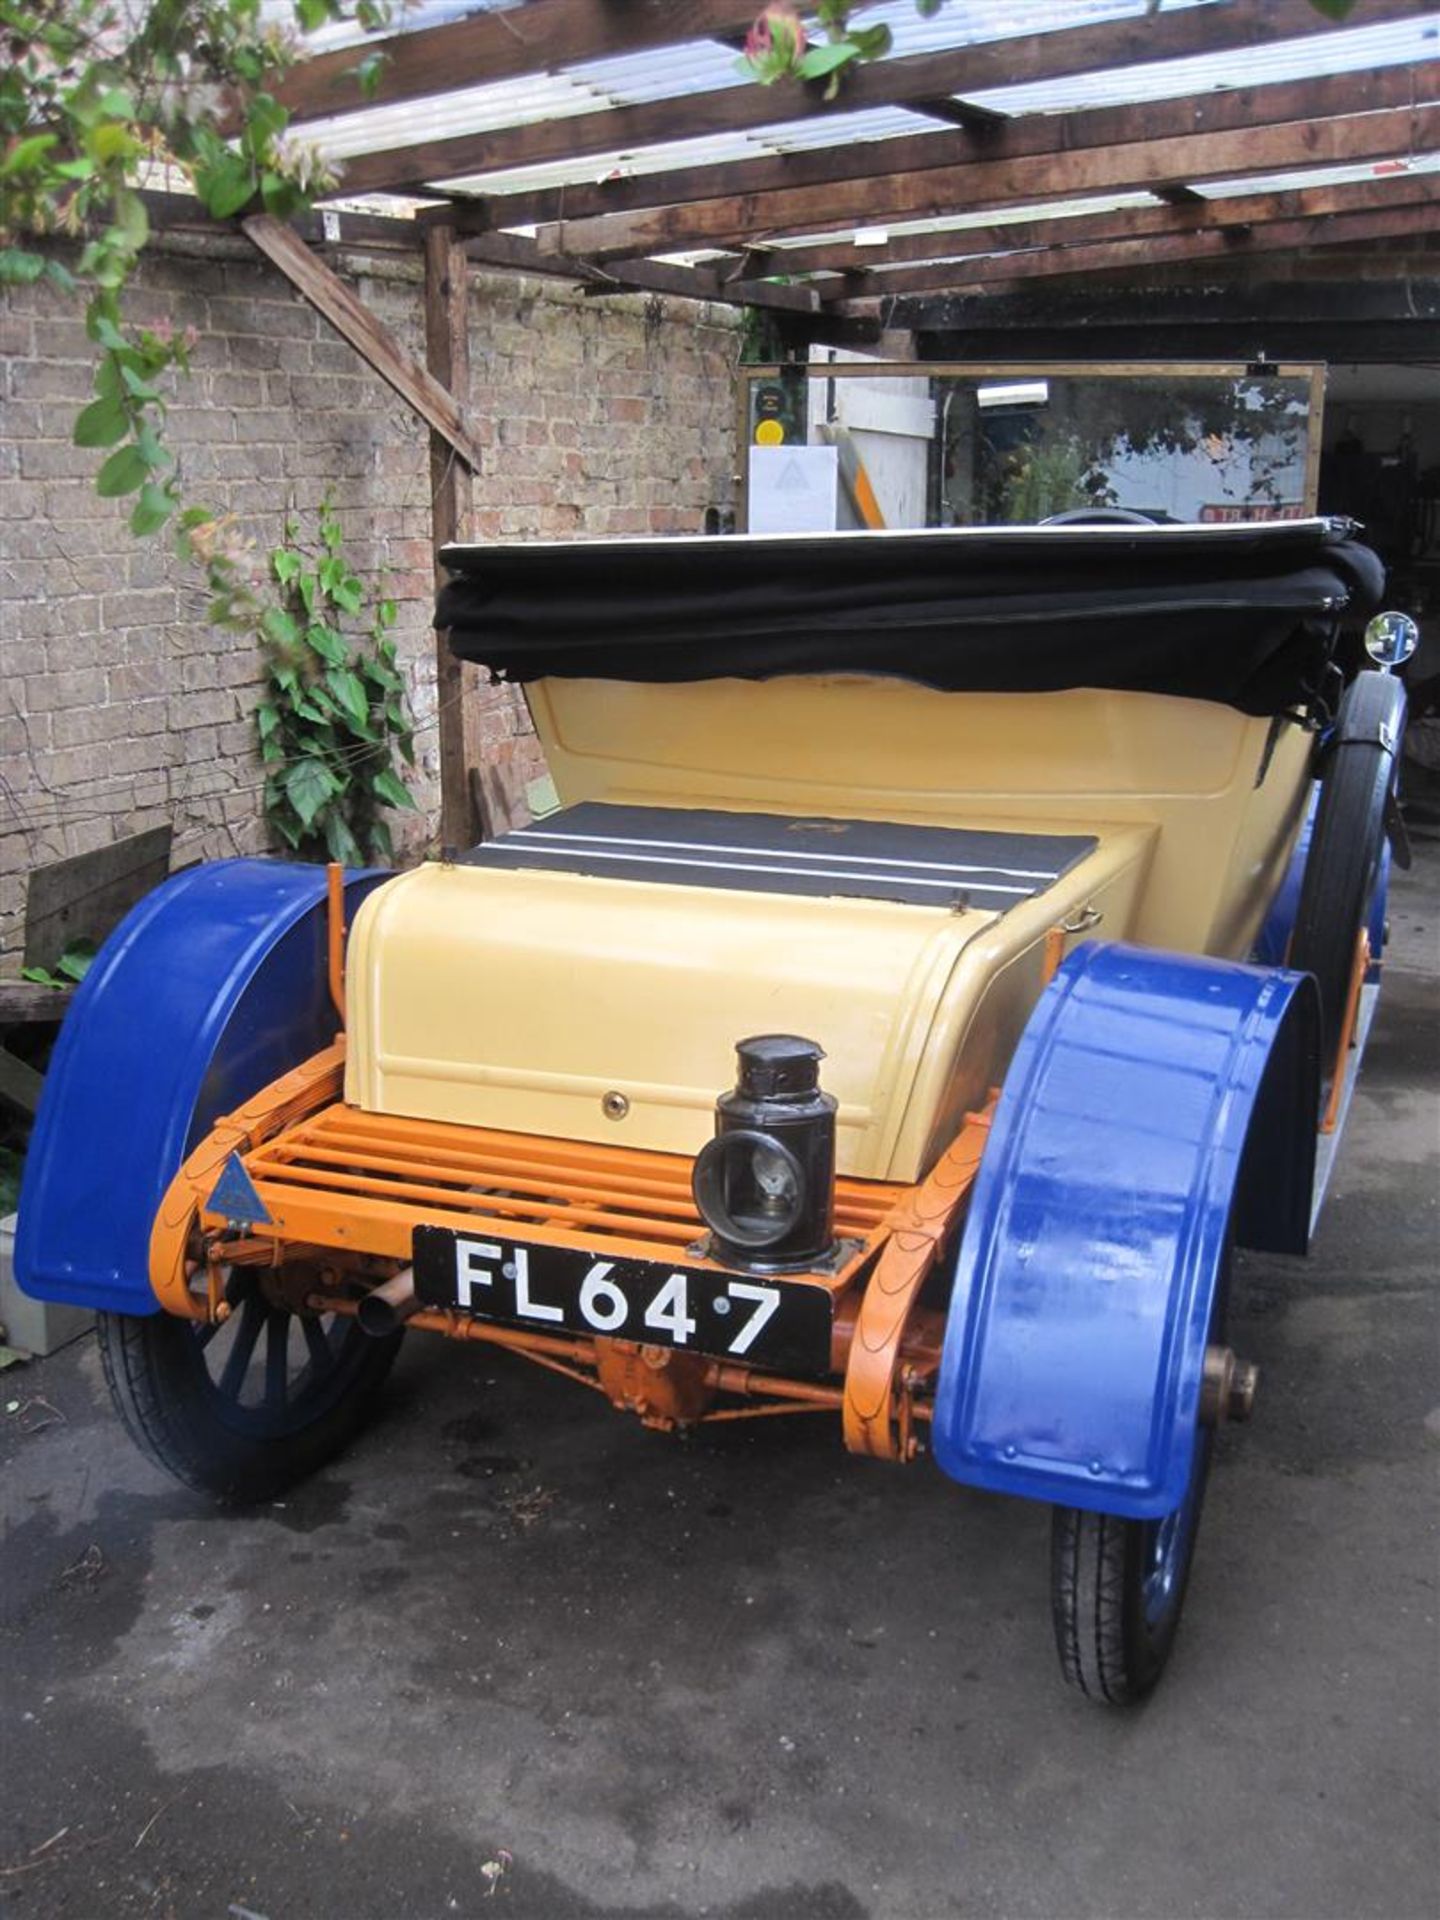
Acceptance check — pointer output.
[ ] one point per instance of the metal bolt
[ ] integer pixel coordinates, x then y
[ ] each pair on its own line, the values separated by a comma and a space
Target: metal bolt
1227, 1387
614, 1105
1241, 1401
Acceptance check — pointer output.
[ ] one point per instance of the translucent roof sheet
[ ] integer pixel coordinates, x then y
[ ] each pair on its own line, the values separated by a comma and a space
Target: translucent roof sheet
706, 68
1318, 177
793, 136
1358, 50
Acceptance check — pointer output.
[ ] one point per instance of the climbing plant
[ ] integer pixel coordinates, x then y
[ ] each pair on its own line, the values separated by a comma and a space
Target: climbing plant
97, 97
92, 95
334, 711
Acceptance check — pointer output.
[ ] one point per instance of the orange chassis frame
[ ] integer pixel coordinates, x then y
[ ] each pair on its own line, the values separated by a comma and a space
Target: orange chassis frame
345, 1190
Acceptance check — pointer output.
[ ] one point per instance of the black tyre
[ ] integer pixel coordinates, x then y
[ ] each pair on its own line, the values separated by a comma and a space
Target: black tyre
1117, 1590
1342, 868
244, 1409
1117, 1587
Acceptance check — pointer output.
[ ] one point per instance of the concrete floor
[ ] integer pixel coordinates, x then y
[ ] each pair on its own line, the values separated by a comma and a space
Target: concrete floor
515, 1649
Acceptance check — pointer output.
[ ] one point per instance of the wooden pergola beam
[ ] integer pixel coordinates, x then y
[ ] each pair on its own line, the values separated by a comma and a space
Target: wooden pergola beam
501, 45
927, 152
873, 265
515, 253
1227, 243
371, 338
918, 77
1086, 162
447, 357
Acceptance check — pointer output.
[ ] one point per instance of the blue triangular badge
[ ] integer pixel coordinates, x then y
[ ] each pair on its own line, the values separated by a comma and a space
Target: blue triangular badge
235, 1198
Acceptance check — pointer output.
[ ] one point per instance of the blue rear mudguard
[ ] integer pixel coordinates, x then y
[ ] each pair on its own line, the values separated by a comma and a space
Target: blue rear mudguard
1157, 1103
216, 984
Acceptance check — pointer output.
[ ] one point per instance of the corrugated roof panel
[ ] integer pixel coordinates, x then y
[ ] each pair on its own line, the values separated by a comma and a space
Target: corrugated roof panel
982, 217
674, 72
790, 136
698, 66
410, 17
961, 23
1318, 177
1357, 50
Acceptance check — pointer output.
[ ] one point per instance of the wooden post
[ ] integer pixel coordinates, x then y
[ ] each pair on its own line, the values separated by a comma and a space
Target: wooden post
447, 355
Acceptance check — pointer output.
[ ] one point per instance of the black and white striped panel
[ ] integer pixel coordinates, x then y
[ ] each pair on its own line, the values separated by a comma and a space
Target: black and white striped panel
946, 867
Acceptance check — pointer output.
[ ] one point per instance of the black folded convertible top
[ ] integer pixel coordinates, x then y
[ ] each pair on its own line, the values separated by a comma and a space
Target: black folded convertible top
1245, 615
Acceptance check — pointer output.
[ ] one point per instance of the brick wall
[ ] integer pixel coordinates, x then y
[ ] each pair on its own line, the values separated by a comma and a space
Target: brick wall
120, 708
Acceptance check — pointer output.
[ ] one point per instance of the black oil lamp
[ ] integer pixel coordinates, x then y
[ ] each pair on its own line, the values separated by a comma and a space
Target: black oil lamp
765, 1185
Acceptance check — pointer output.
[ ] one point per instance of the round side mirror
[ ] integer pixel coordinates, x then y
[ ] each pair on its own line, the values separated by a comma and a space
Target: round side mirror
1391, 638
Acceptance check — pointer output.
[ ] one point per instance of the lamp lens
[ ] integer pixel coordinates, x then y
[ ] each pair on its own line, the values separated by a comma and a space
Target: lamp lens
749, 1187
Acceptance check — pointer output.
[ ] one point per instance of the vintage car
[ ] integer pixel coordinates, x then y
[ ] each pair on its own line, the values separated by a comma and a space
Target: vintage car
950, 945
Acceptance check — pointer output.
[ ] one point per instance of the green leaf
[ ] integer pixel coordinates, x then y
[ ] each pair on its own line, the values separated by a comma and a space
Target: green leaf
75, 961
310, 786
284, 826
59, 275
871, 43
227, 186
351, 695
267, 719
101, 424
18, 268
279, 626
135, 386
42, 977
388, 788
819, 61
151, 510
148, 446
279, 196
265, 121
348, 593
132, 220
369, 72
25, 155
125, 471
340, 843
286, 565
327, 643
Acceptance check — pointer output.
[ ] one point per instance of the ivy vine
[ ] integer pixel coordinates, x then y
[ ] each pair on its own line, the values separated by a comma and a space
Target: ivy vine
335, 710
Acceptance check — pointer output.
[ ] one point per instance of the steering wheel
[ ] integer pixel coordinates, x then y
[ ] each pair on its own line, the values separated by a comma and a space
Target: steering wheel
1098, 517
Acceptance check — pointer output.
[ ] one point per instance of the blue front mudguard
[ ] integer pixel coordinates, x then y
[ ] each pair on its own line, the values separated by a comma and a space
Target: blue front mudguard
214, 985
1156, 1103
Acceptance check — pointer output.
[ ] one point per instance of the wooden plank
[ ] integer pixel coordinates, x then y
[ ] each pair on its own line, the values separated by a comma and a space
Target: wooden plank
24, 1004
918, 77
514, 252
483, 47
1094, 167
86, 896
20, 1084
447, 354
1249, 209
1281, 236
371, 339
1034, 323
367, 231
920, 152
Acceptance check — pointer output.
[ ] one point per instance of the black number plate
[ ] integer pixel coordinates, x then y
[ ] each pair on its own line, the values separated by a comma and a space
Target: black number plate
759, 1321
